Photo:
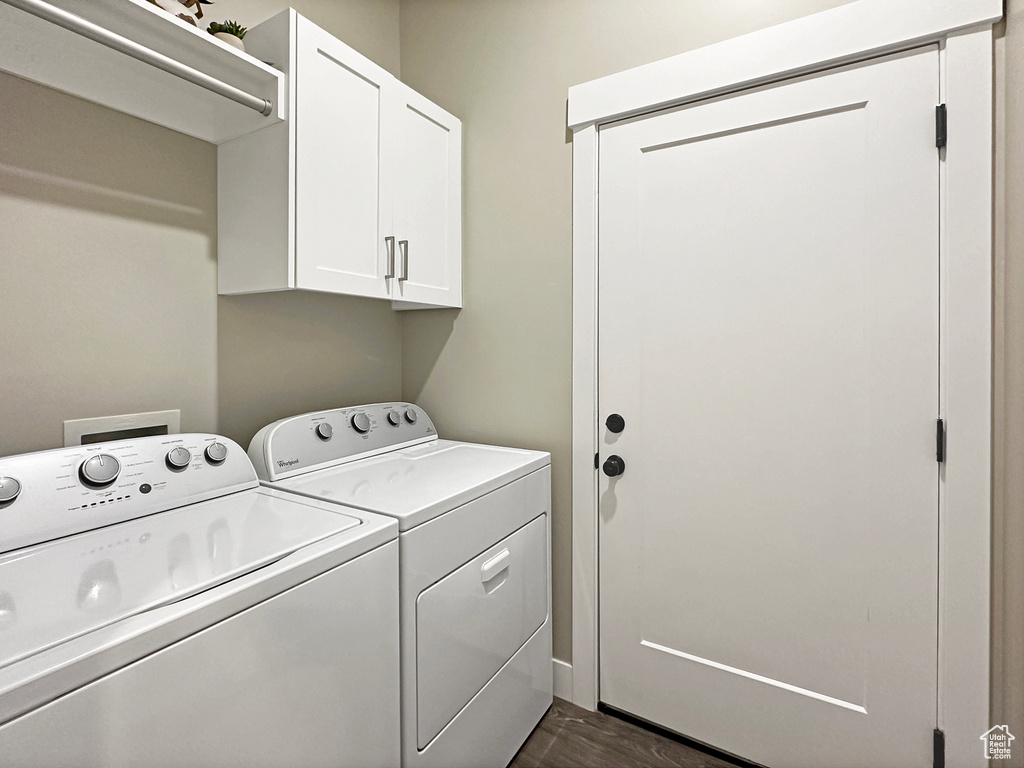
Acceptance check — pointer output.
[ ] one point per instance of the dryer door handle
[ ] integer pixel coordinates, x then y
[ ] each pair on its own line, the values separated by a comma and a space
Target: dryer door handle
495, 566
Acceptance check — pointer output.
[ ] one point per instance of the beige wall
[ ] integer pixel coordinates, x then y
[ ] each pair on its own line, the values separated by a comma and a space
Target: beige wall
369, 26
499, 370
290, 352
108, 288
108, 251
1008, 432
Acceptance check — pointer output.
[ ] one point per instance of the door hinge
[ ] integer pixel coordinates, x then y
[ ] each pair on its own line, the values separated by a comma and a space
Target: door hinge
938, 749
940, 441
595, 460
940, 126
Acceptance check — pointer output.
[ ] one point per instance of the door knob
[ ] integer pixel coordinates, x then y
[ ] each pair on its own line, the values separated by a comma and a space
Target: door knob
615, 423
614, 466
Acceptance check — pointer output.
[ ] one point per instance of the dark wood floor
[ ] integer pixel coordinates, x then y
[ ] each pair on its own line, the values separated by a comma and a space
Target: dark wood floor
571, 737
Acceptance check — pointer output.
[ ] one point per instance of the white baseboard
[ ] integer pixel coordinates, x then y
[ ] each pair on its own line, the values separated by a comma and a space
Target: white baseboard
563, 679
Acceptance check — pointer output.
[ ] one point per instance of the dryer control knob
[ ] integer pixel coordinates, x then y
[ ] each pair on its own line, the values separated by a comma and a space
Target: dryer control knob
410, 415
179, 458
9, 489
324, 431
394, 418
216, 453
99, 470
361, 423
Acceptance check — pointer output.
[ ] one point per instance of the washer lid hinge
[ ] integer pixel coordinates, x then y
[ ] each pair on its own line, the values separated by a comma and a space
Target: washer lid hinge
940, 126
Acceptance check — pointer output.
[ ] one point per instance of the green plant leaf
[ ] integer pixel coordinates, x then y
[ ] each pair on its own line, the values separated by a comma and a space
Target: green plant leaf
230, 27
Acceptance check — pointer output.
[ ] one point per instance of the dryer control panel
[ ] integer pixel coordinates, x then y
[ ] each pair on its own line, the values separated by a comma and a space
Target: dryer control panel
325, 438
50, 494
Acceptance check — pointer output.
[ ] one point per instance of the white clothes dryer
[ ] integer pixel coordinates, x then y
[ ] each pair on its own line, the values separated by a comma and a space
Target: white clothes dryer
158, 607
474, 558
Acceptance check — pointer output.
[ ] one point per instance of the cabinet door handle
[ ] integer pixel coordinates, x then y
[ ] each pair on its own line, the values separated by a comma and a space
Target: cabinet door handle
403, 246
389, 241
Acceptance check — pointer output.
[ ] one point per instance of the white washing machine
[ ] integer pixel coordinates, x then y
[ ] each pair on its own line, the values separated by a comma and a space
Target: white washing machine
474, 558
158, 607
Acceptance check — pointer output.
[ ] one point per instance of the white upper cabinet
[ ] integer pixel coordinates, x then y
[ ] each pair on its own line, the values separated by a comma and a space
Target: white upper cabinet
339, 110
358, 192
424, 148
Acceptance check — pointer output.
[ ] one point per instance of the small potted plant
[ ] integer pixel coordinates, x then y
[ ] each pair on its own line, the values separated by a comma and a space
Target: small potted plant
228, 31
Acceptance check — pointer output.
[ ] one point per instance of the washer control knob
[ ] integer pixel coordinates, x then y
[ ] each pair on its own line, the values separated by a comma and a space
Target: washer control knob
361, 423
394, 418
324, 431
410, 415
9, 489
179, 458
216, 453
99, 470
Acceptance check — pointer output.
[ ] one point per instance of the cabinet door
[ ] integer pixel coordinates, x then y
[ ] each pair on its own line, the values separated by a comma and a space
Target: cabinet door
425, 155
339, 106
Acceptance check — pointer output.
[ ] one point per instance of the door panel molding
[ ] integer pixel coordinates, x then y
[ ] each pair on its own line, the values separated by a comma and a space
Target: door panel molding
756, 126
965, 299
754, 676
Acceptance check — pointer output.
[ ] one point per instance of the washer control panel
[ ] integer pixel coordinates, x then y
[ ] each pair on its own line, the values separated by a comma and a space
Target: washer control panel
50, 494
316, 440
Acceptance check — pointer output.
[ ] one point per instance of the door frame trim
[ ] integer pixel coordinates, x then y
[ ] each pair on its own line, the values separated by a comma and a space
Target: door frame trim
857, 31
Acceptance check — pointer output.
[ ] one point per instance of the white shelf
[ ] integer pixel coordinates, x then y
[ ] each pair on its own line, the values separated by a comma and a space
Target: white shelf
45, 53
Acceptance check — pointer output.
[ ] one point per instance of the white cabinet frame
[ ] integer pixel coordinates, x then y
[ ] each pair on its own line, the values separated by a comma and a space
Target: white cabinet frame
857, 31
314, 203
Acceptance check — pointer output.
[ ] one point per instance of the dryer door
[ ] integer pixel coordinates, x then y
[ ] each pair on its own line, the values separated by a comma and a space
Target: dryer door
474, 620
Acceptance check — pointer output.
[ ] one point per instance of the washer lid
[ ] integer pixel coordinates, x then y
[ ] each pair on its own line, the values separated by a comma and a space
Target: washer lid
419, 483
53, 592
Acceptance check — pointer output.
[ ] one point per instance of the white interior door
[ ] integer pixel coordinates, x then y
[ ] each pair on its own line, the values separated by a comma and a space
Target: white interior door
339, 202
769, 316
